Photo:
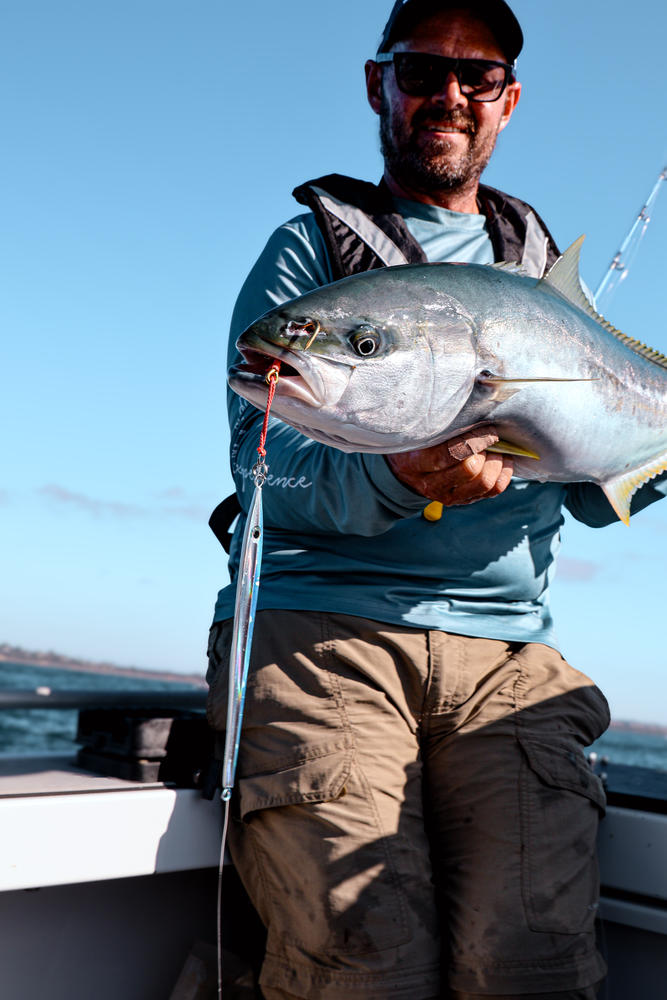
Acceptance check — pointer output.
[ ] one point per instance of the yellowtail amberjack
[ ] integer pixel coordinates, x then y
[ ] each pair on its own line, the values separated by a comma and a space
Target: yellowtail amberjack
405, 357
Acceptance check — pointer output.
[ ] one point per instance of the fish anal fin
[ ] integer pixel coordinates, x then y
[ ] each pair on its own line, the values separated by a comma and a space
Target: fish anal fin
619, 498
620, 490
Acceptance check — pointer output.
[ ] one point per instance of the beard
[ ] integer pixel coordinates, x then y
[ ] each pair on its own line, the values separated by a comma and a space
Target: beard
434, 164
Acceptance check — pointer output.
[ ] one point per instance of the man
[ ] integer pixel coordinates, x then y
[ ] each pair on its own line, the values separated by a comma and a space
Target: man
414, 816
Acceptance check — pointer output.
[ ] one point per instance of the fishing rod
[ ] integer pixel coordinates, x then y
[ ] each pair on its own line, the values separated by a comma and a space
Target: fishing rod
622, 259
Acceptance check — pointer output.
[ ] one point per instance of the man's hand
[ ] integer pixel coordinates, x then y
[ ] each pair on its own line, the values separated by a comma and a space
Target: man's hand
457, 471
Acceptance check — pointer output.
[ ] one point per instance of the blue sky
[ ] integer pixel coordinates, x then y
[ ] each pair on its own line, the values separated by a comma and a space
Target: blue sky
150, 146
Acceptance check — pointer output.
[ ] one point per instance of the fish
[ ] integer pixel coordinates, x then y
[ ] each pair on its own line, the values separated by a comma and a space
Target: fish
406, 357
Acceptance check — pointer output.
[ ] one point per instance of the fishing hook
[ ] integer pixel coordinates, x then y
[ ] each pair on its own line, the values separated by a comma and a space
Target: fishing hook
311, 326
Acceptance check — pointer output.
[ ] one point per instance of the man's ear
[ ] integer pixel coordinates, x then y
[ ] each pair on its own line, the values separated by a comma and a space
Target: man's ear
512, 95
373, 72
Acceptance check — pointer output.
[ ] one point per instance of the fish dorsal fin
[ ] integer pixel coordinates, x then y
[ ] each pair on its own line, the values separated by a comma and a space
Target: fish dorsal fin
564, 277
620, 490
511, 266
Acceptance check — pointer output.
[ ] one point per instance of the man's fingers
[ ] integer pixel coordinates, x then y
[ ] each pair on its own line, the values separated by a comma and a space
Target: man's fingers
478, 477
505, 476
471, 444
471, 467
456, 472
488, 485
443, 456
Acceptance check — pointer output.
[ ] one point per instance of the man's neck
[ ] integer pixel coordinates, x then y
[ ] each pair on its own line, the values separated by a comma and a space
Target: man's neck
459, 200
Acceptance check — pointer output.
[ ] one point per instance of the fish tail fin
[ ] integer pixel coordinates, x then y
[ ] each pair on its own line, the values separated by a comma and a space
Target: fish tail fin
620, 490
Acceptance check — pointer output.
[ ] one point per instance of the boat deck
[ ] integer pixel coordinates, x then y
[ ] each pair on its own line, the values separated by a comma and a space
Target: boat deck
62, 825
56, 774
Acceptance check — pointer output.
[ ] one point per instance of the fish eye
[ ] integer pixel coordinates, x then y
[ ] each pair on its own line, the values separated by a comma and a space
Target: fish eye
365, 341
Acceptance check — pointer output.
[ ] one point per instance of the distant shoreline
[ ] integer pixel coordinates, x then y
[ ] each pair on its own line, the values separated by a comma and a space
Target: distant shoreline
15, 654
28, 658
653, 728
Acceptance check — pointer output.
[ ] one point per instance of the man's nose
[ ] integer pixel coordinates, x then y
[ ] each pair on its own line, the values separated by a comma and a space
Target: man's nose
450, 94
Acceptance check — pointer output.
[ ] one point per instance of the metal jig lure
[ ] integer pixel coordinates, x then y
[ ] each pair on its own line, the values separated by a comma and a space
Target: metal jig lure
250, 565
247, 586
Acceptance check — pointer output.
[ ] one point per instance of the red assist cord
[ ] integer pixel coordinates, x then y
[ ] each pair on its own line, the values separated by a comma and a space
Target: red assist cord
271, 380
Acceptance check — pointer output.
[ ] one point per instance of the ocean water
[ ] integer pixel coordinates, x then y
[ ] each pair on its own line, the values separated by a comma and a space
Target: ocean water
35, 730
623, 746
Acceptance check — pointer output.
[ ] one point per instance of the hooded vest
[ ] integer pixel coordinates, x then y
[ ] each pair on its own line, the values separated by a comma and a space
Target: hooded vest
362, 229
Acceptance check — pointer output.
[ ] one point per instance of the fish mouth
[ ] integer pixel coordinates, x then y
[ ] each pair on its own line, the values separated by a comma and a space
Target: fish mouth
301, 376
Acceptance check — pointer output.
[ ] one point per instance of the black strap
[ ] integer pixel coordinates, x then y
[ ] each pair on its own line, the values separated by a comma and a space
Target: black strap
506, 218
222, 519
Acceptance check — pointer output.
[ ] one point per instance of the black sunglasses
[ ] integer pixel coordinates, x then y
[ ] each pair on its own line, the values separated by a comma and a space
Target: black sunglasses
420, 74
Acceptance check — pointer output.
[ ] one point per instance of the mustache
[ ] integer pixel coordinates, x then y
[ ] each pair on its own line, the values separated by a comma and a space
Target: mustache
457, 119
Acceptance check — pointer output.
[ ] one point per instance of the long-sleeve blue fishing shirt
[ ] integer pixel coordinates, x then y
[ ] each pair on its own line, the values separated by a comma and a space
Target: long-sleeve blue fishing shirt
342, 534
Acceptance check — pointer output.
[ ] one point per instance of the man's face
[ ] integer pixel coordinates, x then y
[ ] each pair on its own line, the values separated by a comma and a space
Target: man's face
441, 142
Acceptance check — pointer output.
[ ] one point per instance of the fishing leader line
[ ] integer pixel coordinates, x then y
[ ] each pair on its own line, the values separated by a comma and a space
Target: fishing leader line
245, 608
622, 259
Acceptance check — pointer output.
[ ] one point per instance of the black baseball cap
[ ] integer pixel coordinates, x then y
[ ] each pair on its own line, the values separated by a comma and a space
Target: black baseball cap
495, 13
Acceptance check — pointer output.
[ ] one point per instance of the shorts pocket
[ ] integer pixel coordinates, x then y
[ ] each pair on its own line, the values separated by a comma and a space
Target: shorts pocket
561, 803
318, 777
317, 866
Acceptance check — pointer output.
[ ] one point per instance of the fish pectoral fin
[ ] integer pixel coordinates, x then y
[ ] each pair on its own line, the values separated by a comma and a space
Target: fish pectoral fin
510, 380
620, 490
503, 388
507, 448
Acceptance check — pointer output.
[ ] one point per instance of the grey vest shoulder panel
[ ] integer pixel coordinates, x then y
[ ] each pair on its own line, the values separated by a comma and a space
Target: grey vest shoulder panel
361, 228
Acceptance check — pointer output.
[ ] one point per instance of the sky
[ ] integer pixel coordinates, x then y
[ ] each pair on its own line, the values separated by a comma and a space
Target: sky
149, 149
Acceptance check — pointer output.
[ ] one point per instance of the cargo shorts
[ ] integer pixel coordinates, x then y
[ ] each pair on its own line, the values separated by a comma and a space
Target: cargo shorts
413, 813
